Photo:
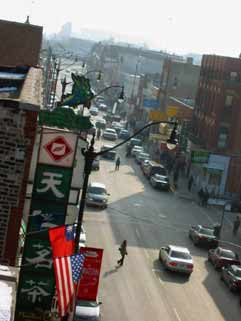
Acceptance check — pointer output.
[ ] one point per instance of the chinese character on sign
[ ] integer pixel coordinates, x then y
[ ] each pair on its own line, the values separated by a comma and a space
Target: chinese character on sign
51, 181
43, 257
36, 291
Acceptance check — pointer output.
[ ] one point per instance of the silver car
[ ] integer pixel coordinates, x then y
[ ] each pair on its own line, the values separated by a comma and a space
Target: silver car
87, 311
110, 134
176, 258
97, 195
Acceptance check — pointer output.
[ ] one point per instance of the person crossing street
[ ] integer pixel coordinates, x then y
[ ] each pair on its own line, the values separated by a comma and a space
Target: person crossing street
117, 164
123, 252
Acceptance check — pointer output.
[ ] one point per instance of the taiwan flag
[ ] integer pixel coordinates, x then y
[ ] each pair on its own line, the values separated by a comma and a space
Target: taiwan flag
62, 240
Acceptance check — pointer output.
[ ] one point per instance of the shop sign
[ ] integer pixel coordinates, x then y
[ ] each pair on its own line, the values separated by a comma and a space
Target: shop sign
57, 148
199, 157
52, 183
45, 215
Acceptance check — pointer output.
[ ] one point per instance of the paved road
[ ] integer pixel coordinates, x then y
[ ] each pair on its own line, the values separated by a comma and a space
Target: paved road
141, 290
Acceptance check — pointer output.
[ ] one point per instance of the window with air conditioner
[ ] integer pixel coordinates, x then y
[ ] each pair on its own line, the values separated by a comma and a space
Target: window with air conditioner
233, 75
223, 137
228, 100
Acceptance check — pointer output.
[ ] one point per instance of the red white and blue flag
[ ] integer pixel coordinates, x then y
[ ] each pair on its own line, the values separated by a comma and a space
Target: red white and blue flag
67, 274
62, 240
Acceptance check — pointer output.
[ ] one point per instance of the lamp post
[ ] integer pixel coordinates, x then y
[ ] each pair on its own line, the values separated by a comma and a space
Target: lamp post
90, 155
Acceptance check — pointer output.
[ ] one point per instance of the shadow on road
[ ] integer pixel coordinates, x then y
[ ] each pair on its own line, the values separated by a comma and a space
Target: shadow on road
107, 273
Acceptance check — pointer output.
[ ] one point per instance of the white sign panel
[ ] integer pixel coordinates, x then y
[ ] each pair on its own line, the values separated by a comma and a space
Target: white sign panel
57, 148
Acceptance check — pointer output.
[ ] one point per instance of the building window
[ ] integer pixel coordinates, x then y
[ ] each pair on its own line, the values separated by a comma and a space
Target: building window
223, 137
233, 75
228, 100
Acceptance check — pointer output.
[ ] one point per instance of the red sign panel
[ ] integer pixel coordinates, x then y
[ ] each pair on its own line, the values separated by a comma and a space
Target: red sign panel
58, 148
89, 282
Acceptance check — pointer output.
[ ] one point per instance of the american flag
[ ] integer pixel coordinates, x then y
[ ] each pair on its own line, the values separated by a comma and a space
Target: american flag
67, 275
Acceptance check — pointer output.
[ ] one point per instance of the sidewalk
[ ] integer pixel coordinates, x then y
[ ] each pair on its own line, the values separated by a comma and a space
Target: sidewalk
213, 214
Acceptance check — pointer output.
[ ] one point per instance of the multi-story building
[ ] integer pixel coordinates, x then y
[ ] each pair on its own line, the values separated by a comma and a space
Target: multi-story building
216, 125
20, 102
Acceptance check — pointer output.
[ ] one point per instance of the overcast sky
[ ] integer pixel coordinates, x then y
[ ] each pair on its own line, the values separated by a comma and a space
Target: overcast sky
180, 26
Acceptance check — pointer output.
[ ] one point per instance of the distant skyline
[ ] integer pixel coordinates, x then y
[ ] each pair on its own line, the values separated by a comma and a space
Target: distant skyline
180, 26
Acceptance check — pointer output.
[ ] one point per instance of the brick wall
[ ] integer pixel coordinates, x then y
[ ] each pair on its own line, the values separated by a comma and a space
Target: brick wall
17, 132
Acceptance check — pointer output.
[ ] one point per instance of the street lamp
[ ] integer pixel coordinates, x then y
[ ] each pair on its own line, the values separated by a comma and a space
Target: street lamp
90, 155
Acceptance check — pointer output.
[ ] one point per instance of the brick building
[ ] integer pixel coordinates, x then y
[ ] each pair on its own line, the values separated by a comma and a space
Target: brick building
216, 123
20, 101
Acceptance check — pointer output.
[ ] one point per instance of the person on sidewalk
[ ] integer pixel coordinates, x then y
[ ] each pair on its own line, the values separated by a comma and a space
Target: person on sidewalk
117, 163
236, 225
123, 252
201, 196
190, 182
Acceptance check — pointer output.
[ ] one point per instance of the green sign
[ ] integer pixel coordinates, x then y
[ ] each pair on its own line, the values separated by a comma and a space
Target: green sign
36, 290
37, 255
64, 118
45, 215
52, 183
199, 157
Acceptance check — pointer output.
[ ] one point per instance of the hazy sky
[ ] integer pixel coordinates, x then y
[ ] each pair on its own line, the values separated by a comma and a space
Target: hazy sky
181, 26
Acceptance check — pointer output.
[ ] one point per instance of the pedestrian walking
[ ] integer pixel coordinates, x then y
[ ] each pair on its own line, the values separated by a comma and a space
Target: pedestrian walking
98, 133
190, 182
175, 177
123, 252
236, 225
117, 163
201, 196
205, 198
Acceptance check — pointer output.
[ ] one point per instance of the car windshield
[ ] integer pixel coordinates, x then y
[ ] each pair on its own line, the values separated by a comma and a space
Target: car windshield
228, 254
97, 190
109, 130
236, 271
181, 255
159, 170
206, 231
161, 178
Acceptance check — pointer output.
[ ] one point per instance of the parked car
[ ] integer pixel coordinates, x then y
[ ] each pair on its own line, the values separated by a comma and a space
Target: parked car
133, 142
110, 134
160, 182
124, 134
111, 155
202, 235
87, 310
154, 168
97, 195
136, 149
141, 156
144, 164
96, 164
222, 257
176, 258
94, 111
117, 127
231, 275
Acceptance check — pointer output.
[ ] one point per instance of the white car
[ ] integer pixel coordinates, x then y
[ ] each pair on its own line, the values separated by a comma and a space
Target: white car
97, 195
94, 111
176, 258
110, 134
136, 149
87, 310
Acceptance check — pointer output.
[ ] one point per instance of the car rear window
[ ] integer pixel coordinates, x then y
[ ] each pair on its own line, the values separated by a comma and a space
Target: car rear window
206, 231
236, 271
228, 254
181, 255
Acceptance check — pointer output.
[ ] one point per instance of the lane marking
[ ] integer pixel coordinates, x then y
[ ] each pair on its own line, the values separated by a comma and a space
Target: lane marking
177, 315
138, 233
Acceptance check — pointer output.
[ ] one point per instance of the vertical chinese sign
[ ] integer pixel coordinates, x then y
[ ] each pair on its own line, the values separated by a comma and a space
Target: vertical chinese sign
48, 209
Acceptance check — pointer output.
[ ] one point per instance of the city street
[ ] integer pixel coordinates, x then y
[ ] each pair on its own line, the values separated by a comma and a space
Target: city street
141, 289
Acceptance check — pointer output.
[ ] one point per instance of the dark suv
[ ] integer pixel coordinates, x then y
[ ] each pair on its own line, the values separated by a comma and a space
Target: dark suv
154, 168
